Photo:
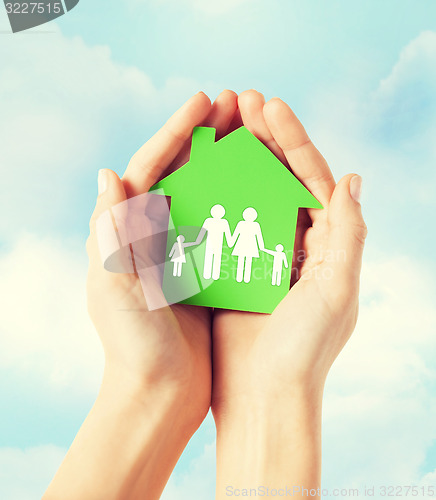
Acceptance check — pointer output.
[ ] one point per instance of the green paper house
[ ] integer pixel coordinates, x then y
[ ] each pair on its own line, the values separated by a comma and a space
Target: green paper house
233, 209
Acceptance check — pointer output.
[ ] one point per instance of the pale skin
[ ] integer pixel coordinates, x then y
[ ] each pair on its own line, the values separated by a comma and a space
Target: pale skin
268, 371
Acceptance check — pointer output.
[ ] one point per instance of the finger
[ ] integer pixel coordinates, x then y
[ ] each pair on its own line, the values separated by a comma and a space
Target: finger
220, 116
347, 231
305, 160
153, 158
111, 193
222, 112
235, 123
251, 105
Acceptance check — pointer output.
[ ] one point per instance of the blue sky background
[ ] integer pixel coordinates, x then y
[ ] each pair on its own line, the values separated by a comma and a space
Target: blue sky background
86, 91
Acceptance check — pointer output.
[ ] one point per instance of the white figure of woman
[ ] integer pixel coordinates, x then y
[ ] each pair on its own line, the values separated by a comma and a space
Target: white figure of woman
248, 240
177, 254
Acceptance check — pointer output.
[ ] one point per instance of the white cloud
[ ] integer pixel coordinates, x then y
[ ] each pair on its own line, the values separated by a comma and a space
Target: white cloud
380, 401
405, 101
429, 479
197, 482
25, 474
47, 338
45, 333
388, 136
379, 406
217, 7
415, 61
67, 108
208, 7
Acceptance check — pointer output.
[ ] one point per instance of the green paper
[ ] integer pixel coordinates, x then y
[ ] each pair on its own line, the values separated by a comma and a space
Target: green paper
237, 172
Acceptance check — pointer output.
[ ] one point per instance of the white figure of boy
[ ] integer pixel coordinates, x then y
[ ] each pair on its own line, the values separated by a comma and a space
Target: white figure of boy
279, 260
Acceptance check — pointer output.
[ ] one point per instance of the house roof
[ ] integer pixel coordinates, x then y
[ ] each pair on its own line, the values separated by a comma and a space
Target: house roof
244, 162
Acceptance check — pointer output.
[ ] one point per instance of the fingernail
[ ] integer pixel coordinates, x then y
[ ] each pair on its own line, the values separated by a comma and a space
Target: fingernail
356, 188
102, 181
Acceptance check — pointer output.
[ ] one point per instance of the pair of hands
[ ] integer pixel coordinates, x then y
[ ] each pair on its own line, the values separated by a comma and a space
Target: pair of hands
256, 357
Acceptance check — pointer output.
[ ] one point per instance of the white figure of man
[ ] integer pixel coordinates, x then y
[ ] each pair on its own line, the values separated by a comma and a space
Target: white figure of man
216, 228
278, 262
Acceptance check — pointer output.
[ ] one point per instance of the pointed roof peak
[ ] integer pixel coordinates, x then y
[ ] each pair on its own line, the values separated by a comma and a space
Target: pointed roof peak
245, 149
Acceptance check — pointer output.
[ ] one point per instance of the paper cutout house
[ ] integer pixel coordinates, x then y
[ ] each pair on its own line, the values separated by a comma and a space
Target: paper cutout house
237, 189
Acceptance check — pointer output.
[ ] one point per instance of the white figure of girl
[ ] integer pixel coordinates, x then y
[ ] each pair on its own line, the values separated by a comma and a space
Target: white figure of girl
177, 254
278, 262
248, 240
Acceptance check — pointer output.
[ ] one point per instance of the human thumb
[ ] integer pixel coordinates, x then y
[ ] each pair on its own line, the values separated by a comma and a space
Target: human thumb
110, 194
347, 229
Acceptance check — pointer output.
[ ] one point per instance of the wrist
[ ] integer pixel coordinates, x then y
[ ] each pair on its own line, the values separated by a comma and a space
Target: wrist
129, 443
261, 406
160, 399
257, 400
270, 441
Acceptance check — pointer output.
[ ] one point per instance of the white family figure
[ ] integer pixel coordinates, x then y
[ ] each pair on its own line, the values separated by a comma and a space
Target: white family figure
278, 262
247, 241
215, 228
177, 254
